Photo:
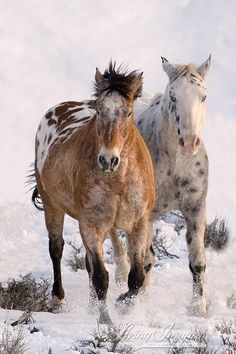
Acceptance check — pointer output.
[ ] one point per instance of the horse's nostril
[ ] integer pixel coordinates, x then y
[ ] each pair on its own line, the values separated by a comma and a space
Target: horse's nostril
114, 161
181, 142
197, 142
102, 162
101, 159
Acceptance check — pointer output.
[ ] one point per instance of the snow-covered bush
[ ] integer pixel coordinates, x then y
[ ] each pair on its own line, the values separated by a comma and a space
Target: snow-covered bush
111, 339
76, 259
25, 294
217, 234
12, 342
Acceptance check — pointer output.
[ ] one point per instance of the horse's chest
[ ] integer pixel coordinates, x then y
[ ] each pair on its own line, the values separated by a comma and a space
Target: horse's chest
179, 186
165, 198
130, 208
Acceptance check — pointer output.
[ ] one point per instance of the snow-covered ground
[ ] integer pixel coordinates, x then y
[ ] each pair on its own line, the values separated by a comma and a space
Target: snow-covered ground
48, 54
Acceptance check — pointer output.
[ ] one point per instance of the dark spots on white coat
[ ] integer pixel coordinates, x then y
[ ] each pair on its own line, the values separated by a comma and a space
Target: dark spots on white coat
48, 115
192, 190
51, 122
197, 207
172, 97
184, 182
177, 180
173, 107
177, 194
201, 172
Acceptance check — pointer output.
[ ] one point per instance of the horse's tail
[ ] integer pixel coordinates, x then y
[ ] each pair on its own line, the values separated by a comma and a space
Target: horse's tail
35, 198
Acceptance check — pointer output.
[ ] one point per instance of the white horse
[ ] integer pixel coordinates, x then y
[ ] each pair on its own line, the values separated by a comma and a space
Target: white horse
171, 126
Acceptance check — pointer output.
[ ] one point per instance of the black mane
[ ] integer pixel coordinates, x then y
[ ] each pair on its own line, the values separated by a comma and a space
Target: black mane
118, 79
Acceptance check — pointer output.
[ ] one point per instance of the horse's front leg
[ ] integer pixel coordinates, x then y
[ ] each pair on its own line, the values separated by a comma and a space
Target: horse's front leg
92, 293
120, 258
196, 224
98, 274
139, 260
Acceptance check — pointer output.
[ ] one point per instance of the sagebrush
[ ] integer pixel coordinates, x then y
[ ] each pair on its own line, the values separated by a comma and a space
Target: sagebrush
26, 294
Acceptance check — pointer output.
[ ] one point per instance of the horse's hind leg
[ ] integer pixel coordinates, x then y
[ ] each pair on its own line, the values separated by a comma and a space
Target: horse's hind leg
120, 258
54, 219
196, 223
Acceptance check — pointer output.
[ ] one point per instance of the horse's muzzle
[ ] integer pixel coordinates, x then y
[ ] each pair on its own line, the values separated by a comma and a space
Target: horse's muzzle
190, 144
108, 165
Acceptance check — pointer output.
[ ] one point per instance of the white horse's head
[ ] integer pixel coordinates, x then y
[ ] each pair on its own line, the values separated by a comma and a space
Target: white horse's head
186, 101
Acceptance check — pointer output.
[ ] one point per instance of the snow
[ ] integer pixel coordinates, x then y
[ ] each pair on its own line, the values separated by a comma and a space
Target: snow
48, 55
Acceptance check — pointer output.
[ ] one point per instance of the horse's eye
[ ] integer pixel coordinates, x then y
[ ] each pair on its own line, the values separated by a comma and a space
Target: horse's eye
204, 98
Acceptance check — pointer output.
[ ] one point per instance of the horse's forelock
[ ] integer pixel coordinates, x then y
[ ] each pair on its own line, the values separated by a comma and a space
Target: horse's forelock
120, 80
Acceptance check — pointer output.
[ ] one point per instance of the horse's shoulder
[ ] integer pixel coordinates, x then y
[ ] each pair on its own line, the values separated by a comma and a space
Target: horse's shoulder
59, 123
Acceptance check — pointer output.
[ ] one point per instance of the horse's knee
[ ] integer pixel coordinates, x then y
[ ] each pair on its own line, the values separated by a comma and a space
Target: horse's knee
56, 245
100, 278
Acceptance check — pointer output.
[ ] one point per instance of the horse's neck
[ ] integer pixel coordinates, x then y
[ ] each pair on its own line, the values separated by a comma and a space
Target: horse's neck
164, 138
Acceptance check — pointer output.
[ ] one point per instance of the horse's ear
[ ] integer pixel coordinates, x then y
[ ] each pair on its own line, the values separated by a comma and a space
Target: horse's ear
136, 85
204, 68
169, 68
98, 77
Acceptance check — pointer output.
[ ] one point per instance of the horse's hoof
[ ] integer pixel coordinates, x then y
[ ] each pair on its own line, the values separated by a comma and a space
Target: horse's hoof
197, 307
57, 305
124, 302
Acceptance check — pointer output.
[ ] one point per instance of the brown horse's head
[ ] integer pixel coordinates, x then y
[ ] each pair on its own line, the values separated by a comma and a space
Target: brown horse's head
115, 91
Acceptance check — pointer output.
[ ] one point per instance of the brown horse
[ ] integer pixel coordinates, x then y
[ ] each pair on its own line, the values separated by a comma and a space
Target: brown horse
97, 170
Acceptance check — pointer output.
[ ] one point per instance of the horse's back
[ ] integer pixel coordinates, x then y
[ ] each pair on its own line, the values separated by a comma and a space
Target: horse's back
58, 125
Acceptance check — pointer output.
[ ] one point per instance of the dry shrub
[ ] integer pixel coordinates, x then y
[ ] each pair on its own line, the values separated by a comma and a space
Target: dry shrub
76, 259
12, 342
25, 294
217, 234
